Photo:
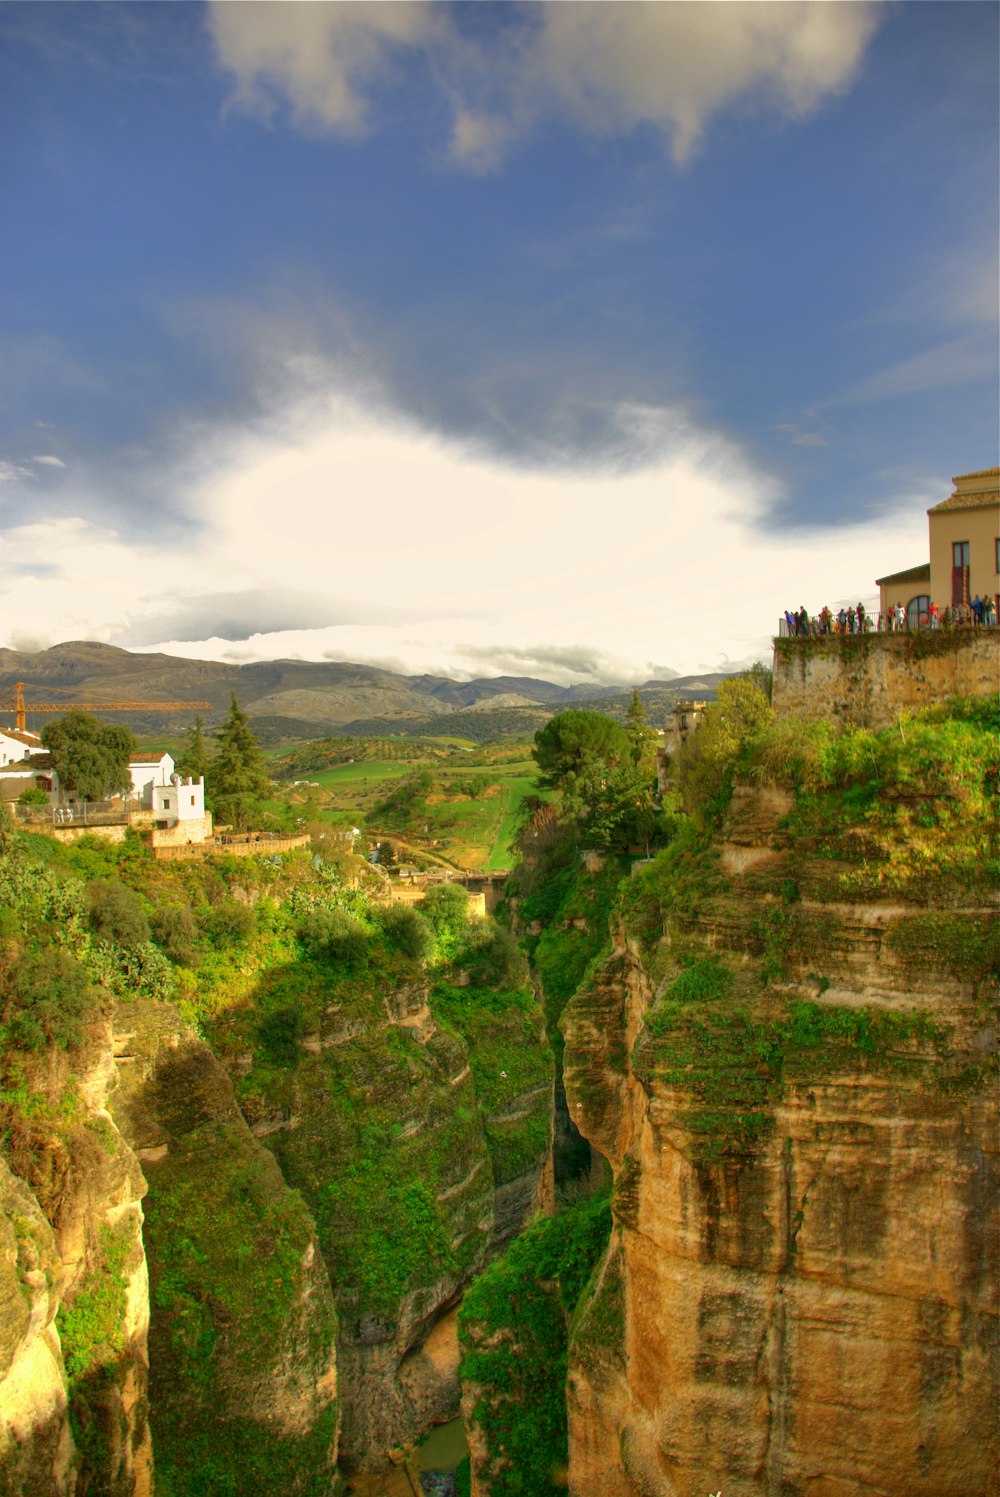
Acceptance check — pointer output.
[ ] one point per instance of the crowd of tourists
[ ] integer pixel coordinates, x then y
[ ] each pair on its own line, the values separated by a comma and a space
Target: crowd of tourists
980, 613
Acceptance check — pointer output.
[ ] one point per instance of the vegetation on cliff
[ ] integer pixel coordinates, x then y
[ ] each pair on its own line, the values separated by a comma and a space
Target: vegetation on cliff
338, 1013
514, 1328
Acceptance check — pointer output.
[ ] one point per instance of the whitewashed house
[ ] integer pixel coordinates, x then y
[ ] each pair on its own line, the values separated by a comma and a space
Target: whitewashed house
179, 814
16, 745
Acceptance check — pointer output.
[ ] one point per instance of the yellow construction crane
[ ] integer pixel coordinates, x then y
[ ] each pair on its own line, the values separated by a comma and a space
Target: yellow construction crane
20, 708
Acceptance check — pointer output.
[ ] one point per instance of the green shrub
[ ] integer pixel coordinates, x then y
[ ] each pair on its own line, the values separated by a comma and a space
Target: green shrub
279, 1034
491, 956
332, 935
446, 910
230, 923
33, 796
47, 1001
117, 913
407, 931
176, 930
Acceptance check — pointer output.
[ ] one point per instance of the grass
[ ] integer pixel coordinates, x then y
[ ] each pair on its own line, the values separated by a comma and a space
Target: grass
367, 773
501, 854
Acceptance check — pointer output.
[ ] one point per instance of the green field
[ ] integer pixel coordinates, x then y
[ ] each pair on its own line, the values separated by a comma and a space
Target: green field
362, 773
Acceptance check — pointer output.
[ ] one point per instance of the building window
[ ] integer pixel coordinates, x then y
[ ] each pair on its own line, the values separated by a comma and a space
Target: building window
960, 554
917, 610
192, 800
998, 553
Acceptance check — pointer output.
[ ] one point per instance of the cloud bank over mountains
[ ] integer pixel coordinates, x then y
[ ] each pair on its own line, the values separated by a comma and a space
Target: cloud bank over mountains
332, 528
606, 69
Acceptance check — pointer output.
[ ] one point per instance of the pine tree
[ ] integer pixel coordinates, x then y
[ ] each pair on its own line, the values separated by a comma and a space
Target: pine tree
236, 774
194, 759
637, 727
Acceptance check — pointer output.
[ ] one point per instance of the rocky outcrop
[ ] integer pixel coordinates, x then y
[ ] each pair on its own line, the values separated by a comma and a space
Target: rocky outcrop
243, 1365
796, 1097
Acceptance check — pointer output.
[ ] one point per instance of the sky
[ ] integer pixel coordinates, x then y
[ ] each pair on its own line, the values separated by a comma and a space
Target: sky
567, 340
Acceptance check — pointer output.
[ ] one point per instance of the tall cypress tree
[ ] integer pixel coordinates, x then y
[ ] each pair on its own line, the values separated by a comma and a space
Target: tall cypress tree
194, 759
236, 774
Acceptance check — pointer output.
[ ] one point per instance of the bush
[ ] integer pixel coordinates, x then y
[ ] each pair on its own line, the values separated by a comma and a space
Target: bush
117, 913
230, 923
279, 1034
491, 957
33, 796
47, 1001
446, 910
407, 931
176, 931
334, 936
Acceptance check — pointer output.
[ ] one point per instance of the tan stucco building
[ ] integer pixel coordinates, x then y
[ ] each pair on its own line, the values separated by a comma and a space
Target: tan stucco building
964, 551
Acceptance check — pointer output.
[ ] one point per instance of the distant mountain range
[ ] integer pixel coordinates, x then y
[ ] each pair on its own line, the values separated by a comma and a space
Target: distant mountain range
308, 699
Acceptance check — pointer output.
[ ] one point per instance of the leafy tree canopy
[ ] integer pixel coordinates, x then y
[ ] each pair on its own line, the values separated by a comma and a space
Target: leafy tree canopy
90, 757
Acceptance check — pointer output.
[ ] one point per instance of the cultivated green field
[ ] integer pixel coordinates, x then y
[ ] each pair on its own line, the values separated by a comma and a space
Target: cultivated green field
466, 815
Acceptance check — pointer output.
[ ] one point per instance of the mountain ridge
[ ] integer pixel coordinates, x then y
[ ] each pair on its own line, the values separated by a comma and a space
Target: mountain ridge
325, 694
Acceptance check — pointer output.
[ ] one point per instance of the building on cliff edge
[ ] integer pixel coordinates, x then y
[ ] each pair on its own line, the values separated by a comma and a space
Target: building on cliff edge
964, 546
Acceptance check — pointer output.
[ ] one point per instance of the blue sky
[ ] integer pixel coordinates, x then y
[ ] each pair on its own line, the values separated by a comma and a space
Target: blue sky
485, 337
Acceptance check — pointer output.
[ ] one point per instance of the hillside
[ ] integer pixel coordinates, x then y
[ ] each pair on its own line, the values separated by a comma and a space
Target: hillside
303, 698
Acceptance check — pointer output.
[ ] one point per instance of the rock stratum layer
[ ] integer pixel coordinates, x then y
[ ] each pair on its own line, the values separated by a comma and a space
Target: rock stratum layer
796, 1094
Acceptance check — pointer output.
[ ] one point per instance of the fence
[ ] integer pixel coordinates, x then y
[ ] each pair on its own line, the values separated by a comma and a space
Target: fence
82, 813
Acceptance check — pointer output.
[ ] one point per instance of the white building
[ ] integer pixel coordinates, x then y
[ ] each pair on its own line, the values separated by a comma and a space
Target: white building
179, 814
16, 745
149, 772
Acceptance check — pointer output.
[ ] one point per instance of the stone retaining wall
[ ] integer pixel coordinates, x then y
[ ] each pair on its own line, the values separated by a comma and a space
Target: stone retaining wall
869, 679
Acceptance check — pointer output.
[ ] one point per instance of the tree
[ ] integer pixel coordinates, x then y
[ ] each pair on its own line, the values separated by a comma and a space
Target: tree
194, 758
91, 758
575, 742
236, 774
704, 766
640, 735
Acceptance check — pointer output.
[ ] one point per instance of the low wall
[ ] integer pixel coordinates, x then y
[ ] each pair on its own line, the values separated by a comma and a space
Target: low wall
869, 679
107, 832
244, 848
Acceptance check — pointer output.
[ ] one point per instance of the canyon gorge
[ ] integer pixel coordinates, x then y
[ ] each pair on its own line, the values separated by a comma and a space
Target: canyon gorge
695, 1191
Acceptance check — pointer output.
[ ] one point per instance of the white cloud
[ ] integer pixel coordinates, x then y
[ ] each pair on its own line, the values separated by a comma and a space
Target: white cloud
320, 57
435, 558
49, 461
609, 68
11, 472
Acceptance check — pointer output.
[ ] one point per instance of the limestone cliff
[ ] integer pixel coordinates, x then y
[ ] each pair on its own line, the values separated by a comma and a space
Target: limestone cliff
73, 1395
788, 1059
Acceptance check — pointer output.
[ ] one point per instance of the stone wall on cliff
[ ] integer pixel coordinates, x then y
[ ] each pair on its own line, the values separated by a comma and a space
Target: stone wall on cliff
870, 679
792, 1072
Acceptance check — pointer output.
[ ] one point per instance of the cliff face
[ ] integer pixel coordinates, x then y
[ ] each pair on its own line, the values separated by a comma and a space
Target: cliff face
242, 1339
794, 1090
379, 1125
73, 1394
